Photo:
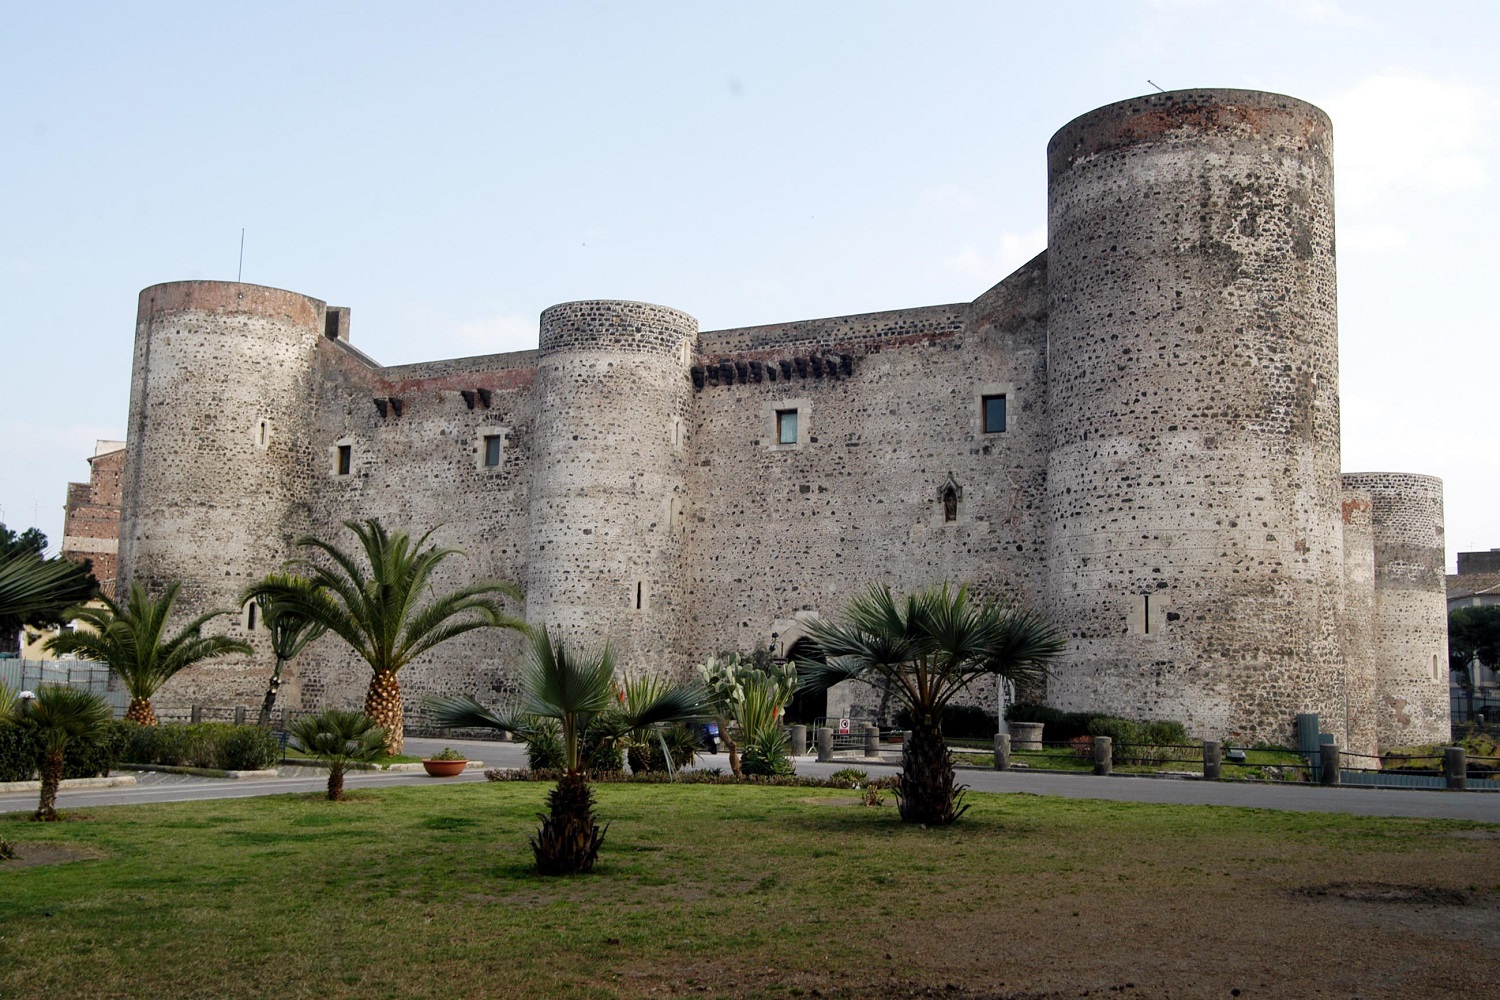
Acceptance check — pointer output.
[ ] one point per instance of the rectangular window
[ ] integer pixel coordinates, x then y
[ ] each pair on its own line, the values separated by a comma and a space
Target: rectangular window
994, 414
346, 454
786, 426
492, 450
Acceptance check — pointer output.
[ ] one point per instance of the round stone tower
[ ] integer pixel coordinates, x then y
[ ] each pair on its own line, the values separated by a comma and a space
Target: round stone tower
1411, 607
218, 448
1193, 481
612, 395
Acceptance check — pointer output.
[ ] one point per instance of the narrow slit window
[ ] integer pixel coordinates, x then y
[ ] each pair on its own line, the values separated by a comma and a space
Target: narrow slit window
950, 504
638, 595
250, 617
994, 414
786, 426
346, 457
491, 450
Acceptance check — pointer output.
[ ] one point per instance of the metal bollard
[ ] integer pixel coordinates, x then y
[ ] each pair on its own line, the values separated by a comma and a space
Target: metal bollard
1103, 754
1213, 760
1328, 764
196, 715
1456, 768
239, 715
1002, 751
825, 744
872, 741
799, 741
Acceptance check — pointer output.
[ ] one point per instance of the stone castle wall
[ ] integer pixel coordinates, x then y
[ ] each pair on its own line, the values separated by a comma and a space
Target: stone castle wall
1166, 485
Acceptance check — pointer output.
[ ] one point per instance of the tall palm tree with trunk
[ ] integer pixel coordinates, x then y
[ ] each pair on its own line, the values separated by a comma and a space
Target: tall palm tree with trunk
574, 688
132, 638
287, 625
381, 602
930, 647
62, 715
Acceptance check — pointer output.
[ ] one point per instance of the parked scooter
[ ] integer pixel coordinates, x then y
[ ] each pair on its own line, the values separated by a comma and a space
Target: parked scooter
710, 737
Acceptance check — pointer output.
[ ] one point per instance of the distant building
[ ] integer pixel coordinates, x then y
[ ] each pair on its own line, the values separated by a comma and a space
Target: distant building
91, 531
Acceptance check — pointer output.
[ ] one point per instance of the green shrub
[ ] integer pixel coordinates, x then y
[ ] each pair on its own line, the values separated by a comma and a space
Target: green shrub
768, 753
218, 745
1148, 742
544, 749
20, 751
960, 722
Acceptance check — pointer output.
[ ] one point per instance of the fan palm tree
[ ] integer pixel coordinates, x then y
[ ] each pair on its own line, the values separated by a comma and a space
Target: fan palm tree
130, 638
573, 688
62, 715
290, 629
930, 647
37, 591
374, 605
339, 739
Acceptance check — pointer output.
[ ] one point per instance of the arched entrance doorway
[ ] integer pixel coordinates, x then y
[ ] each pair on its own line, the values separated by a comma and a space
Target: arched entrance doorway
806, 706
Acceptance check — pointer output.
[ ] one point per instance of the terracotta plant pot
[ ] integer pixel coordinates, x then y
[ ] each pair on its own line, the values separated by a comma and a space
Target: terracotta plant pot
444, 768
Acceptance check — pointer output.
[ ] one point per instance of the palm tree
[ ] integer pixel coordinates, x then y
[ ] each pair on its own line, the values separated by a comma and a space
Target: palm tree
574, 689
61, 715
290, 629
339, 738
33, 590
129, 637
373, 605
929, 648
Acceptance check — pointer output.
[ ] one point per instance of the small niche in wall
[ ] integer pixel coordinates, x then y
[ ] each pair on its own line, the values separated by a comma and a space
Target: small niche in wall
343, 460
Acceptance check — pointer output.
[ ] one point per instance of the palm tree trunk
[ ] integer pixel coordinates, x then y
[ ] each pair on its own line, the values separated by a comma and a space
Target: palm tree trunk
140, 711
383, 704
264, 719
734, 750
926, 791
335, 780
52, 770
569, 839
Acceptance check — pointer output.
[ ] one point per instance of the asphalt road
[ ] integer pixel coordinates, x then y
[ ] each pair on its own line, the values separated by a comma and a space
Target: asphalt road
1479, 806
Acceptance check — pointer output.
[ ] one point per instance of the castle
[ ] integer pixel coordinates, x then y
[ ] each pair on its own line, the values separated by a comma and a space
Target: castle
1137, 432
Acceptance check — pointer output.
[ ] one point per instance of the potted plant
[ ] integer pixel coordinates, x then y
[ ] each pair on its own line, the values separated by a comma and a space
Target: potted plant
446, 764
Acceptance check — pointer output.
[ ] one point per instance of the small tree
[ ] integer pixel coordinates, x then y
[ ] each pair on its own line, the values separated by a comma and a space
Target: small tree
338, 739
287, 624
61, 715
375, 605
930, 647
130, 637
574, 689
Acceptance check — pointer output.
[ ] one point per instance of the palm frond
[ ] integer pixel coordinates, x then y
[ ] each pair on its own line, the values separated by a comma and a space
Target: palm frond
463, 711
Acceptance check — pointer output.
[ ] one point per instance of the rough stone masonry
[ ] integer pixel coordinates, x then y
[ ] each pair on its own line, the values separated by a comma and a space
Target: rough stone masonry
1137, 432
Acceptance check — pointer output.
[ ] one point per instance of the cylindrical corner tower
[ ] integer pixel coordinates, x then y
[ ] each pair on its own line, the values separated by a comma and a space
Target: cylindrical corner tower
1359, 732
1193, 481
1411, 607
612, 394
217, 451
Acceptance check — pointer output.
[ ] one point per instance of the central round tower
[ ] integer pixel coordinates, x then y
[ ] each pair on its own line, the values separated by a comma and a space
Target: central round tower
1195, 544
612, 394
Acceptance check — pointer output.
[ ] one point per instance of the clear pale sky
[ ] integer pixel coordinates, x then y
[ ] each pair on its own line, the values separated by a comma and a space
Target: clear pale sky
449, 170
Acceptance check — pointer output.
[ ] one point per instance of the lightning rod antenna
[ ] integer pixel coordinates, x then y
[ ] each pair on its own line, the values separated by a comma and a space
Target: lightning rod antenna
241, 272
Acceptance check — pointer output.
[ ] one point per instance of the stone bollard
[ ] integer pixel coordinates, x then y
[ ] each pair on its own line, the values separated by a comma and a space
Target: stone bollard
872, 741
239, 715
799, 741
825, 744
1103, 754
1213, 760
196, 715
1026, 735
1002, 751
1456, 768
1328, 764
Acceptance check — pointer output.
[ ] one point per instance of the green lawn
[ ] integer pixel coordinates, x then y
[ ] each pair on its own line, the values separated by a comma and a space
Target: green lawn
427, 892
